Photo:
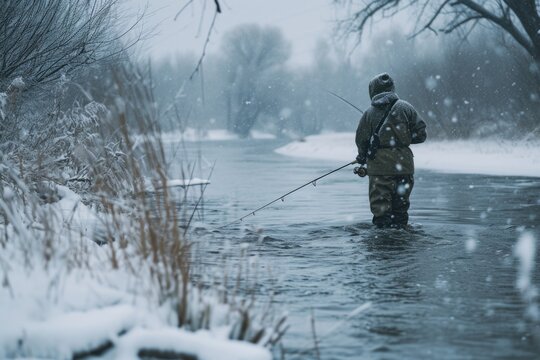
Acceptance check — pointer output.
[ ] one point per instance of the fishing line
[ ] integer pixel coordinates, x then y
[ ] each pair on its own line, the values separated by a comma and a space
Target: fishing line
282, 197
313, 182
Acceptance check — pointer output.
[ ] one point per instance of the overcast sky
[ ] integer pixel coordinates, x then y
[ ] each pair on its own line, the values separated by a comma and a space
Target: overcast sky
303, 22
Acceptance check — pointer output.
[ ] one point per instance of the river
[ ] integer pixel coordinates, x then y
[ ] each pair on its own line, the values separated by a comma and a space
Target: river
446, 289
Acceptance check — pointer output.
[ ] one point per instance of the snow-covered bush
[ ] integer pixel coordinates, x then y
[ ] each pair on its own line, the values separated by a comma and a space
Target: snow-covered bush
82, 179
61, 145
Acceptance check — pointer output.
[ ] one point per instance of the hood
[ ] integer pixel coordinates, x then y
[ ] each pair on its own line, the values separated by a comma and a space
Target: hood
384, 98
379, 84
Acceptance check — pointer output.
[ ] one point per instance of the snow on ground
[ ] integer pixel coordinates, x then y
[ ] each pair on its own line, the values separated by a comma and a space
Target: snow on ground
51, 308
488, 157
43, 319
175, 183
67, 333
194, 344
191, 134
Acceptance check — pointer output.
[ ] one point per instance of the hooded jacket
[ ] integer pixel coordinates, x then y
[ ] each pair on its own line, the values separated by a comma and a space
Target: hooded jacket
402, 127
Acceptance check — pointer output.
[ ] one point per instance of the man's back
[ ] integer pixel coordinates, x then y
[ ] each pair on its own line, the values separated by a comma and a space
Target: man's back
401, 128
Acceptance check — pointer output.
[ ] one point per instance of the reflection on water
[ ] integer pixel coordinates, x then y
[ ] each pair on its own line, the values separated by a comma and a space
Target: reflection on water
445, 289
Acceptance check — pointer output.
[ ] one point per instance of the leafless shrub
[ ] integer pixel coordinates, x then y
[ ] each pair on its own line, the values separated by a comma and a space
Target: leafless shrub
41, 40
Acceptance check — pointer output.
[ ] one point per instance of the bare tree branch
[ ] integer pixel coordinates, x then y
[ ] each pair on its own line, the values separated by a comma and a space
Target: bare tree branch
206, 42
40, 40
508, 26
182, 9
218, 7
435, 15
451, 27
217, 11
518, 18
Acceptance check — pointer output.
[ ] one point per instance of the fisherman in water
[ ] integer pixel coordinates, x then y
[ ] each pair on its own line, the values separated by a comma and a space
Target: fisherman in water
384, 134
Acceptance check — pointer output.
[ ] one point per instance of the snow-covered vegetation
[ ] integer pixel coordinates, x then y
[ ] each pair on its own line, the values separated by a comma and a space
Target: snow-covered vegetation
65, 296
96, 257
89, 272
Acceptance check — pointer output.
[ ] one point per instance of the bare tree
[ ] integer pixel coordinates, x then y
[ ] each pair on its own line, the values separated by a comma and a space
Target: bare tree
254, 56
40, 40
520, 19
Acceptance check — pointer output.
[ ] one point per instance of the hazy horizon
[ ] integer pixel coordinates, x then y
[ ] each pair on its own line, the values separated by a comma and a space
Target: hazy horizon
302, 23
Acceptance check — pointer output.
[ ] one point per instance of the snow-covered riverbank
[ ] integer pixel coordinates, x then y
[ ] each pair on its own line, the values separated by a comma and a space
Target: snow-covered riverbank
61, 298
191, 134
486, 157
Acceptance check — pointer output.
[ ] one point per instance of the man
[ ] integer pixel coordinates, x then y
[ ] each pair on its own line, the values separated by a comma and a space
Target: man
390, 167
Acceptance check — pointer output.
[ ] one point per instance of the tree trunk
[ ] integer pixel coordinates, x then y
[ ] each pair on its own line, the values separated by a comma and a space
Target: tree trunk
529, 18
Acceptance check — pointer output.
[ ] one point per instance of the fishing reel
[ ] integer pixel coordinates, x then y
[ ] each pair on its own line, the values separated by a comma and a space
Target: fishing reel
360, 171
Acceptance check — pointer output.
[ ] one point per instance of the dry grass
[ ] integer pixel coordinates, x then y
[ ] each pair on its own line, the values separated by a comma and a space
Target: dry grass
158, 243
118, 163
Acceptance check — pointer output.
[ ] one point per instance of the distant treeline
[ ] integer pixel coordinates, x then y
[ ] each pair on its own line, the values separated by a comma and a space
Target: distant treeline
477, 87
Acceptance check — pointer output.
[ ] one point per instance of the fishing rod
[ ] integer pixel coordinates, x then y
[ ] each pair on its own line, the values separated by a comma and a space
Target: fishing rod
345, 100
282, 197
360, 171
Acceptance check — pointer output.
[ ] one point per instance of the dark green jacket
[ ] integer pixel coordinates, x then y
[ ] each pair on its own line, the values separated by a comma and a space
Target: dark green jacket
402, 127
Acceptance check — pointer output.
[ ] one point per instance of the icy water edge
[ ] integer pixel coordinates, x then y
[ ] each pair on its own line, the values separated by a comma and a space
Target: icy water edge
445, 290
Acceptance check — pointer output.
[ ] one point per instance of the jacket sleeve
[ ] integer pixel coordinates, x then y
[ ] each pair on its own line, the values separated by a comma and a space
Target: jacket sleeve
418, 128
362, 139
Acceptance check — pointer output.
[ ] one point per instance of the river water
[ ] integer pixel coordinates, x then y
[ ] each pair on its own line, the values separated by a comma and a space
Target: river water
446, 289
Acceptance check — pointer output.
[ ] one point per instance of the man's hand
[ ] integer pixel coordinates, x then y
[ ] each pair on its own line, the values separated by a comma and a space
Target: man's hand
361, 159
